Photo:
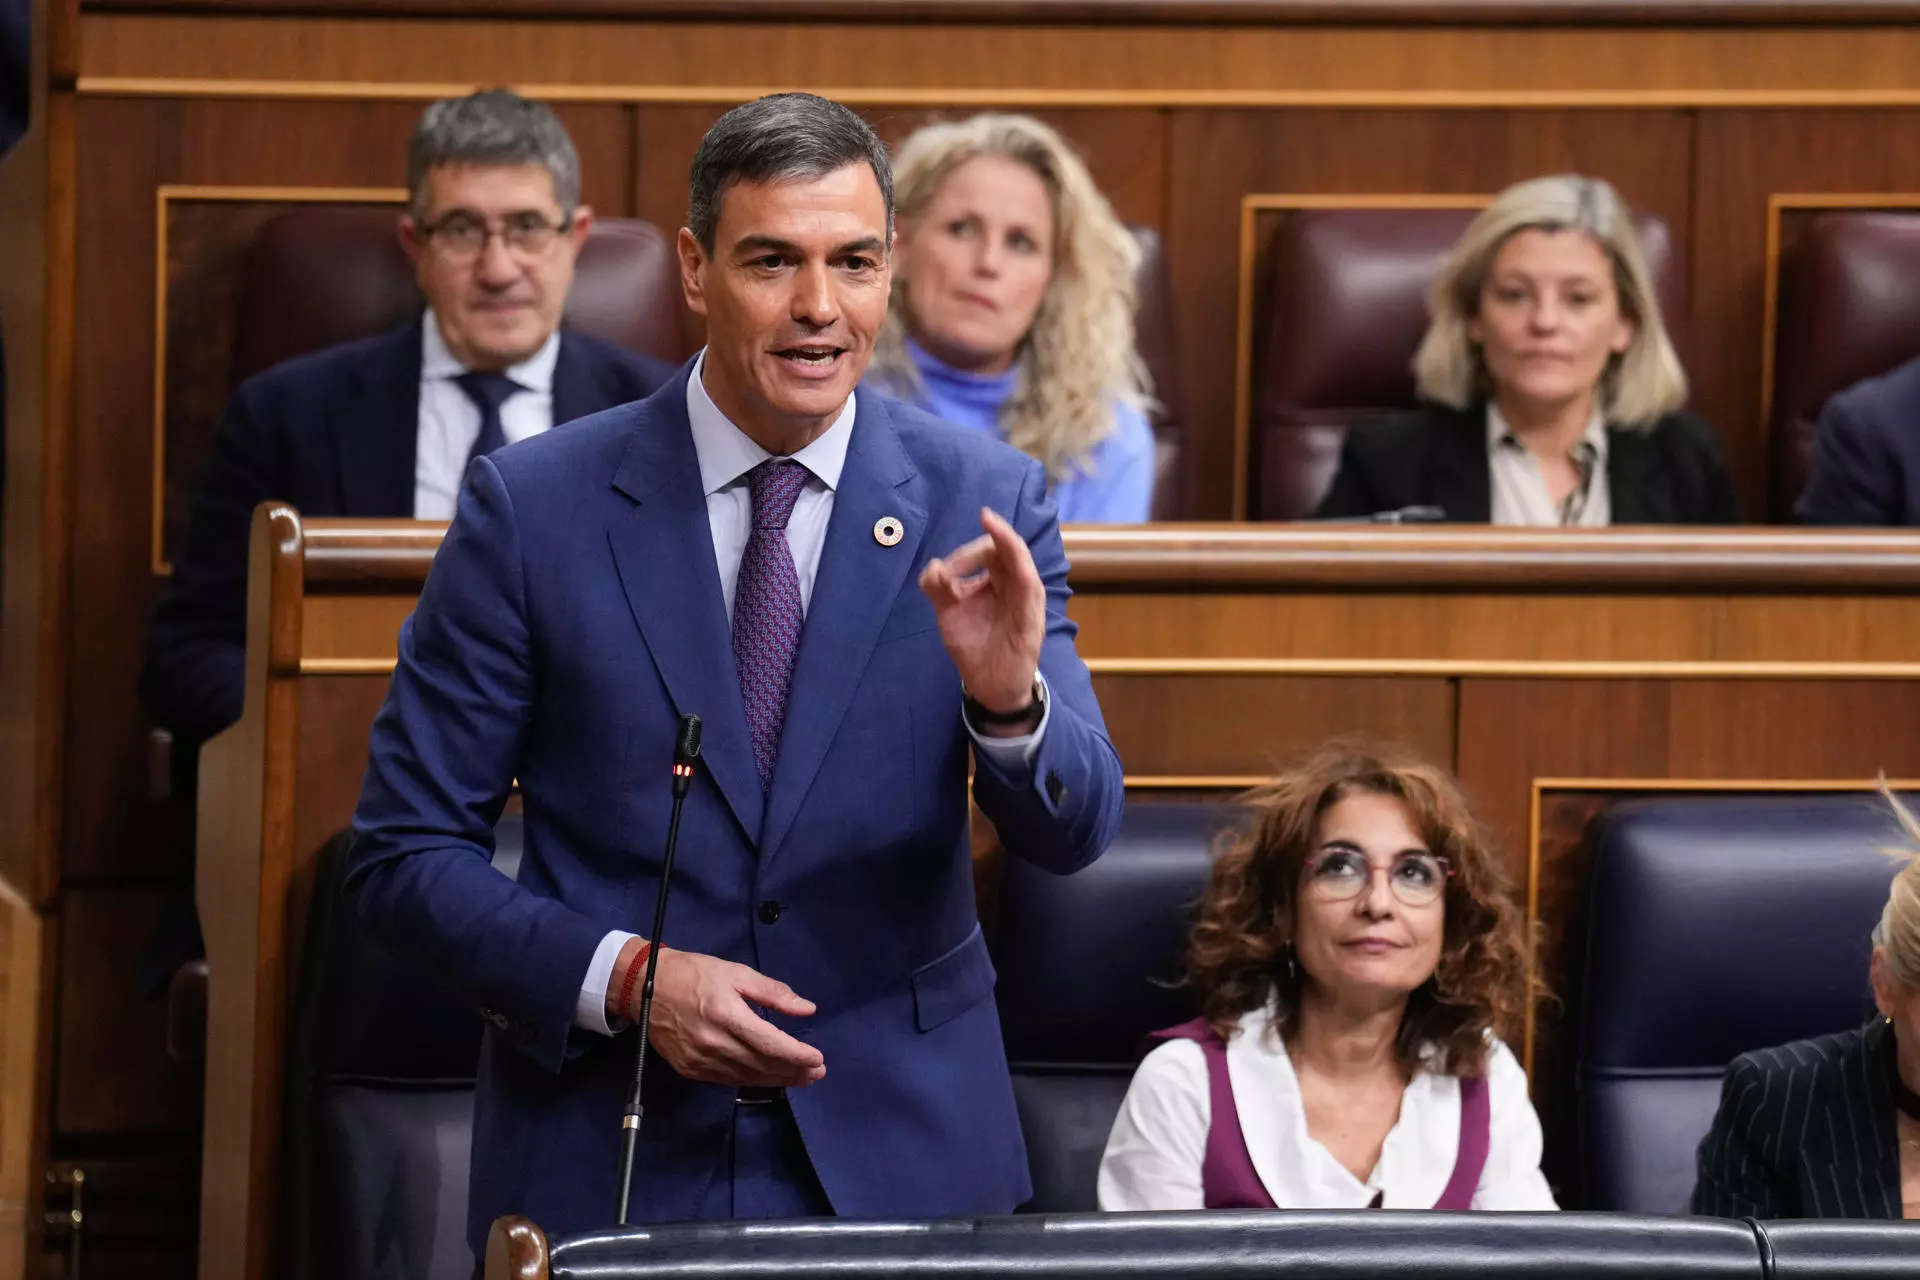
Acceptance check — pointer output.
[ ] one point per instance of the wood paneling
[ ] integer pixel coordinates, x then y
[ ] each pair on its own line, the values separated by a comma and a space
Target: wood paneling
113, 1073
1742, 159
1202, 726
1217, 156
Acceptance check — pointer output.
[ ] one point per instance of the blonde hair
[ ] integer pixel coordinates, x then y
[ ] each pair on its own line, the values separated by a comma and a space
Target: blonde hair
1898, 933
1640, 386
1078, 360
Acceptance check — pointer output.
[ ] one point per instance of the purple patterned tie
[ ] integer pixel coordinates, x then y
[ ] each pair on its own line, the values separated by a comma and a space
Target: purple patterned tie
766, 609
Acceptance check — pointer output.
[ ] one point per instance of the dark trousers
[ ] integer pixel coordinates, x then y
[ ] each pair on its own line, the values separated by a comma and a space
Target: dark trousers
767, 1173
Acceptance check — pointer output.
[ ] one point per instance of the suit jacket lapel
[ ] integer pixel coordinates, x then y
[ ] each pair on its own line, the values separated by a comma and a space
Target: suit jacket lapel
853, 592
377, 432
663, 549
1462, 479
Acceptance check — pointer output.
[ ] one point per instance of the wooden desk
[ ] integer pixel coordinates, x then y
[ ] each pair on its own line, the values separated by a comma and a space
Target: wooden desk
1554, 672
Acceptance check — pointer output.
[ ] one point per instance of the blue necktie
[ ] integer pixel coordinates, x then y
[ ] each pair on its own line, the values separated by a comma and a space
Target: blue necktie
488, 391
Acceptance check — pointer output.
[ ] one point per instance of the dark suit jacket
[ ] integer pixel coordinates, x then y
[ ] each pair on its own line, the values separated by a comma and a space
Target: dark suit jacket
573, 613
1436, 456
1805, 1131
1866, 455
333, 433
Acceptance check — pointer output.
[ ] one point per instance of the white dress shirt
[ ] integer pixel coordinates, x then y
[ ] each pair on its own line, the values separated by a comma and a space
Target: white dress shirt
727, 454
1520, 489
1159, 1140
450, 421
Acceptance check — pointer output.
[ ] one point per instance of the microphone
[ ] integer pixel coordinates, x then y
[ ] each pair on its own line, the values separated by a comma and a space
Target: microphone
1398, 515
686, 755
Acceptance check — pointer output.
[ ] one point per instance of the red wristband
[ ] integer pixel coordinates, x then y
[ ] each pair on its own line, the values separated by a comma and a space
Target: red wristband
628, 983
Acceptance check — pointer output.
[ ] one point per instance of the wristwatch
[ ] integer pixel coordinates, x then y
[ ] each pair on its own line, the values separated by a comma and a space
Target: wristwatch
978, 714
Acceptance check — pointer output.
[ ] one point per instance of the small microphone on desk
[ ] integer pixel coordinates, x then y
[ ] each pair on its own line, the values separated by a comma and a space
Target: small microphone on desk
686, 755
1398, 515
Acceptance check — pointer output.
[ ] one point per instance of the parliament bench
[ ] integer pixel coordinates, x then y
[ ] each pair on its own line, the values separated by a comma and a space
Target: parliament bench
1354, 1245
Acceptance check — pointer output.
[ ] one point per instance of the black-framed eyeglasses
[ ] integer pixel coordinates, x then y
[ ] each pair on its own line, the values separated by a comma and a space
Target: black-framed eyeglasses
462, 237
1417, 879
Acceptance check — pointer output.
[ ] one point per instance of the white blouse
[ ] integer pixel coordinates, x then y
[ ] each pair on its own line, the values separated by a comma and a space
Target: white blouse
1159, 1139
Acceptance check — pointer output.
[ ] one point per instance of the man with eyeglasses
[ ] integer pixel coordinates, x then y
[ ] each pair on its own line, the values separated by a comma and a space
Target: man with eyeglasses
385, 427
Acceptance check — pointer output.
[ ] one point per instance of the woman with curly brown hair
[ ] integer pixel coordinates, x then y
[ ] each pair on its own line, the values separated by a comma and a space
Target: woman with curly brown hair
1358, 956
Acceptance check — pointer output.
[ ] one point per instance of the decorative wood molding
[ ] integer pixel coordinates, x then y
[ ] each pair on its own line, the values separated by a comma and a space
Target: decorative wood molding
164, 196
1251, 207
1092, 12
111, 86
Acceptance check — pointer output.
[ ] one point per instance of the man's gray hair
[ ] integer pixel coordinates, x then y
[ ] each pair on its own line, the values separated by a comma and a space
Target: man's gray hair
493, 127
781, 137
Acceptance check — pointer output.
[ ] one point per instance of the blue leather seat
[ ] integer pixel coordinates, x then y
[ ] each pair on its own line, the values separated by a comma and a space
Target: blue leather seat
1089, 964
1716, 926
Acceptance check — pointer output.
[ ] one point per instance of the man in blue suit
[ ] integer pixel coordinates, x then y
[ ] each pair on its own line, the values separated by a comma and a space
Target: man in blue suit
1866, 454
745, 546
384, 427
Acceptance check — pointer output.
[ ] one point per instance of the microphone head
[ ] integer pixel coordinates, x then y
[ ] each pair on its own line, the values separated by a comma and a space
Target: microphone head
686, 748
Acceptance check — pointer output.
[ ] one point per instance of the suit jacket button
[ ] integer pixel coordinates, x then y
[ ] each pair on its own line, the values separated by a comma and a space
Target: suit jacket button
769, 911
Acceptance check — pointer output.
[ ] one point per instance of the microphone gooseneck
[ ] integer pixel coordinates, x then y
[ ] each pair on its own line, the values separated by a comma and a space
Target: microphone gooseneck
686, 757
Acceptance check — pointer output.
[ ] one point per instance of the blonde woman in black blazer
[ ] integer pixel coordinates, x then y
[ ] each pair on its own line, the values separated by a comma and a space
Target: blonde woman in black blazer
1550, 392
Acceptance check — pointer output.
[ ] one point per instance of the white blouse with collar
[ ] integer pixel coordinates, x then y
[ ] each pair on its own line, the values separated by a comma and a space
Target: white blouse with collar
1159, 1139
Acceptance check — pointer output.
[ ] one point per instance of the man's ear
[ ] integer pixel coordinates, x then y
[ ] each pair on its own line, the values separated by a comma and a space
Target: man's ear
693, 271
582, 223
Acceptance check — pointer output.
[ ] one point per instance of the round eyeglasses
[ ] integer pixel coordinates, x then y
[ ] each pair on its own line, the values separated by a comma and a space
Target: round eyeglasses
1417, 879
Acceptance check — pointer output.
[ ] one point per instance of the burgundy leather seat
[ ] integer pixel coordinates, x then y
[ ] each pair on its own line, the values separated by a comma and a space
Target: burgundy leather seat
329, 274
1849, 309
1345, 310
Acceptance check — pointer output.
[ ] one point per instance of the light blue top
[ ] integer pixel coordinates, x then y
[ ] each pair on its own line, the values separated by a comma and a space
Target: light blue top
1113, 484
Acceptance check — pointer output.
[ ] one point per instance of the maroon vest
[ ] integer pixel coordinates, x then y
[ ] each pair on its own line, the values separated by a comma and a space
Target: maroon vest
1227, 1175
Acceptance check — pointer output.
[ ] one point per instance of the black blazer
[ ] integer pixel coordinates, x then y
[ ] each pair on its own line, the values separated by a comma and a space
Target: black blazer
1437, 457
334, 433
1805, 1131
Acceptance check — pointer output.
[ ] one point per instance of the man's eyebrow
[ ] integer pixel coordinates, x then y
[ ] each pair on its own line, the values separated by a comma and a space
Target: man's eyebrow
764, 244
756, 244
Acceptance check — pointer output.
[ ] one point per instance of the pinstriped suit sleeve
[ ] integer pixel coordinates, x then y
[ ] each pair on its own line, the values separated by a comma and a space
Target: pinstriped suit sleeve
1735, 1179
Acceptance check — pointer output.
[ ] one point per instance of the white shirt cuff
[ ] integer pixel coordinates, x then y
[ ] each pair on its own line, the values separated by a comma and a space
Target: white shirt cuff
590, 1011
1011, 753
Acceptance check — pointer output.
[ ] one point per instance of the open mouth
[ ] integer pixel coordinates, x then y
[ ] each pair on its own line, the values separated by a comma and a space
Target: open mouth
812, 359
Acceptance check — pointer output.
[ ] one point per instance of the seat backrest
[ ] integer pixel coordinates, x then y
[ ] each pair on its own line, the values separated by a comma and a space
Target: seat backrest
1154, 339
326, 274
381, 1060
1717, 926
1088, 965
1345, 308
1849, 308
1354, 1245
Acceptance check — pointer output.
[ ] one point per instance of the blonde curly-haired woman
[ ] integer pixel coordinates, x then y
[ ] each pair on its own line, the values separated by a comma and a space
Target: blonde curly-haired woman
1012, 311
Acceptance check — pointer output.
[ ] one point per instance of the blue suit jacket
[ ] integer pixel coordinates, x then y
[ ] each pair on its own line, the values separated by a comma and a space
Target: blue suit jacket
1866, 454
573, 613
334, 433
